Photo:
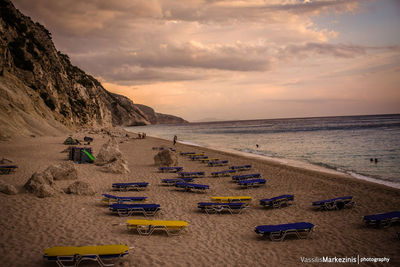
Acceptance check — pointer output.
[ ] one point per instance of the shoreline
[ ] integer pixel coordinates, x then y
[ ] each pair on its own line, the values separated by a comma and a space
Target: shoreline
291, 163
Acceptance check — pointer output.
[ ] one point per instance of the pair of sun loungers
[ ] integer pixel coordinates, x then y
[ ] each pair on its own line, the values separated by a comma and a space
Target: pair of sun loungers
173, 181
219, 207
129, 186
241, 167
126, 206
124, 210
229, 199
382, 220
207, 160
232, 170
187, 153
170, 169
238, 178
252, 183
188, 187
335, 203
217, 163
111, 199
232, 204
147, 227
198, 157
223, 173
277, 202
249, 180
191, 174
75, 255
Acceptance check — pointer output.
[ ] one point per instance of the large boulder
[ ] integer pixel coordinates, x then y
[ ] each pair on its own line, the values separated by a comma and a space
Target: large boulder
117, 166
41, 184
46, 190
109, 152
111, 158
7, 188
63, 171
81, 188
37, 180
166, 157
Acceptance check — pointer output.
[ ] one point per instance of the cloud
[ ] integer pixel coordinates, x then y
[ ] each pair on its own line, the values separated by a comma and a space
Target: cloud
211, 51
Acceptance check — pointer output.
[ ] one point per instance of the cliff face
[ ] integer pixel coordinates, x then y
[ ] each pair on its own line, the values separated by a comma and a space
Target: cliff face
41, 91
159, 118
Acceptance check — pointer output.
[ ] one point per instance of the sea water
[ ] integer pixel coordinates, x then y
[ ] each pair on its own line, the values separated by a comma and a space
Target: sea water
363, 146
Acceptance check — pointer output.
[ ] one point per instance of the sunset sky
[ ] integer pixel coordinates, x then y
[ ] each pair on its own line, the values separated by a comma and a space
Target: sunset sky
228, 60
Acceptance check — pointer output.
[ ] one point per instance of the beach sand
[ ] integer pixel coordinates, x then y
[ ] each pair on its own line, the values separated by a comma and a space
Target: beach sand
30, 224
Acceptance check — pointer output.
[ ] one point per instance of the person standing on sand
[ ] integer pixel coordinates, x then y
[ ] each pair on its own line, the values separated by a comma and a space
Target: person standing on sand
175, 138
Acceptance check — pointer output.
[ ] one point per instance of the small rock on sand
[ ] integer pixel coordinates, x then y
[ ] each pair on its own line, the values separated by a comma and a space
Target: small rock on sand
81, 188
8, 188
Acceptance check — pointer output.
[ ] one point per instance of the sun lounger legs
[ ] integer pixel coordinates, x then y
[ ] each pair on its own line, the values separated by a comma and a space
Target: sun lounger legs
147, 227
75, 255
278, 232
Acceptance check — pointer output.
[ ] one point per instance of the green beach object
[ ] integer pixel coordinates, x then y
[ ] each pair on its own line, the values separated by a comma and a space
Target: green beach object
91, 157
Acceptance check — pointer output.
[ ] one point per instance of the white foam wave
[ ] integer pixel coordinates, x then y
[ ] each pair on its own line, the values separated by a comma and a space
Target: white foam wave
373, 180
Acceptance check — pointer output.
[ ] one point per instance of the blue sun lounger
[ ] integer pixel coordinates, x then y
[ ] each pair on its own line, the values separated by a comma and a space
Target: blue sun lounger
190, 187
192, 156
277, 202
110, 199
191, 174
129, 186
218, 207
173, 181
198, 157
237, 178
241, 167
217, 163
6, 169
76, 255
278, 232
170, 169
334, 203
124, 210
223, 173
383, 219
251, 183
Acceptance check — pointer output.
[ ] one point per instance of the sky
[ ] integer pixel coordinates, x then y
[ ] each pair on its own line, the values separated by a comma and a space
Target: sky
235, 60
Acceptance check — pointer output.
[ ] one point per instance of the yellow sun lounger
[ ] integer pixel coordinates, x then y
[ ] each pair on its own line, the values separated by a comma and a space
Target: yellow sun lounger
147, 227
232, 199
77, 254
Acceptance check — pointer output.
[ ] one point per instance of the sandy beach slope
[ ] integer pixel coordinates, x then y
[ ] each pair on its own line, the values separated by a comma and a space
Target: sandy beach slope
29, 224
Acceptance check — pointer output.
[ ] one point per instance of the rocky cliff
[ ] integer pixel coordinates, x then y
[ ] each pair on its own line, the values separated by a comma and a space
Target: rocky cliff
41, 91
159, 118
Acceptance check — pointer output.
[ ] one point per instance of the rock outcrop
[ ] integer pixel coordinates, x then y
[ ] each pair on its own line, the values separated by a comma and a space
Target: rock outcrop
159, 118
111, 158
42, 183
63, 171
7, 188
166, 157
41, 92
80, 188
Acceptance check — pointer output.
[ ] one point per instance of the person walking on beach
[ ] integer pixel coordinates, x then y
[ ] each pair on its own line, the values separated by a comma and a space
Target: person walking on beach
175, 138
